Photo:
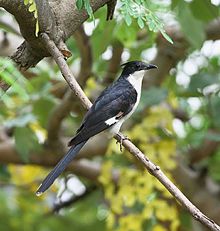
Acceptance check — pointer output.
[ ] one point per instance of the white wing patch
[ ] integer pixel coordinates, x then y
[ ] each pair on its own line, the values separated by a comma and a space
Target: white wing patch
111, 121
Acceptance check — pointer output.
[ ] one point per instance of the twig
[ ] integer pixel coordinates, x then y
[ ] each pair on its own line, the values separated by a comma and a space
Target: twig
178, 195
152, 168
67, 74
65, 106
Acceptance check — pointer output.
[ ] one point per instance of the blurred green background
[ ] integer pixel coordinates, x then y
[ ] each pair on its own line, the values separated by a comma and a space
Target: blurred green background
176, 124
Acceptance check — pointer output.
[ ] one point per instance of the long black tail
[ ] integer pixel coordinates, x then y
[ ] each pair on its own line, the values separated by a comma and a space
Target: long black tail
59, 168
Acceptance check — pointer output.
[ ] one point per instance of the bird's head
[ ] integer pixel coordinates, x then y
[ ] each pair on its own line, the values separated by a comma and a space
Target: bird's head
135, 67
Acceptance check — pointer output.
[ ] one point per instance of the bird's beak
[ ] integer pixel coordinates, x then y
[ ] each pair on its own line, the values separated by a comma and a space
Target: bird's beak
150, 66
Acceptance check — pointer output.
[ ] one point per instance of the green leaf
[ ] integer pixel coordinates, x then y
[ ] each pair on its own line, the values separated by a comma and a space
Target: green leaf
204, 10
139, 10
140, 22
32, 8
25, 141
124, 35
166, 36
26, 2
80, 4
89, 9
192, 28
128, 19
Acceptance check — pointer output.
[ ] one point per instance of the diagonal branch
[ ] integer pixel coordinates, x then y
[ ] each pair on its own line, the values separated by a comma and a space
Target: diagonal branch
66, 105
67, 74
177, 194
152, 168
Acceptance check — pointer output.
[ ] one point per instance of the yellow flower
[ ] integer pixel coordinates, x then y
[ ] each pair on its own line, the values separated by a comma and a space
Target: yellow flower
159, 228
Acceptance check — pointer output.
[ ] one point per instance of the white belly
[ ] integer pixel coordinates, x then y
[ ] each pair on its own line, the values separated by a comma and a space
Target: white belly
136, 81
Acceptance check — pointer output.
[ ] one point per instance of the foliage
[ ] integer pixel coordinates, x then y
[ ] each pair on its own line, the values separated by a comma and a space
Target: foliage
133, 9
32, 8
84, 4
139, 10
137, 201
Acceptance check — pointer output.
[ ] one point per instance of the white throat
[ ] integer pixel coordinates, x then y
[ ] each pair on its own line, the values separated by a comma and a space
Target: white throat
135, 80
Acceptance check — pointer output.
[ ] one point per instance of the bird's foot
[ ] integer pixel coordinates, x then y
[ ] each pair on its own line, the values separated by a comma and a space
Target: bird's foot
121, 139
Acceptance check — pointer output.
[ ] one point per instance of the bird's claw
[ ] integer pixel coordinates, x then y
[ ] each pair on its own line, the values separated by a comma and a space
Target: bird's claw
121, 139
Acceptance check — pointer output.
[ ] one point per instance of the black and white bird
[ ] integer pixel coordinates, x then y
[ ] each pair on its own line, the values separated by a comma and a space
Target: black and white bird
114, 105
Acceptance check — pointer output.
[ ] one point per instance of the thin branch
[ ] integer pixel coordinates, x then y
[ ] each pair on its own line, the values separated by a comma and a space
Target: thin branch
177, 194
152, 168
67, 74
66, 105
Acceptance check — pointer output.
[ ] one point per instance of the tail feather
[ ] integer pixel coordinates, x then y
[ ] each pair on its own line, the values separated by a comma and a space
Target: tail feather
59, 168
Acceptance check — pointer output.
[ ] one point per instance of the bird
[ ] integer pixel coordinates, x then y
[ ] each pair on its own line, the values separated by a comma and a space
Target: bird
112, 107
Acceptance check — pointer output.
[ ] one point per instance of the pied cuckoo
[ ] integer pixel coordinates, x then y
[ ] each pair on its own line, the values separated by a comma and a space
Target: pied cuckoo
114, 105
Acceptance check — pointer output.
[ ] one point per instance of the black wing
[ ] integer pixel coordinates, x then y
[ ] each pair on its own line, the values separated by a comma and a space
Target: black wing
116, 100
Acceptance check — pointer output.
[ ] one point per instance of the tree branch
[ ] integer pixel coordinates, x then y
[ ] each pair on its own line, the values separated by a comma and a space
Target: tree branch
177, 194
60, 24
63, 109
152, 168
47, 158
67, 74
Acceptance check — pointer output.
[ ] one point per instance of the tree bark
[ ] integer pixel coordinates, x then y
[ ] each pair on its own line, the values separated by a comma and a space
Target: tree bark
59, 19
